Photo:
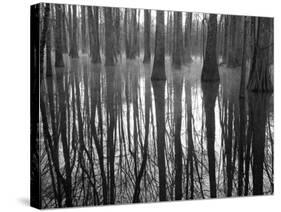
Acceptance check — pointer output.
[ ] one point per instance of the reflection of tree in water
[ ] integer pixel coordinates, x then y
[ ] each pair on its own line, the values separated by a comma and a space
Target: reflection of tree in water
258, 104
210, 91
159, 98
104, 118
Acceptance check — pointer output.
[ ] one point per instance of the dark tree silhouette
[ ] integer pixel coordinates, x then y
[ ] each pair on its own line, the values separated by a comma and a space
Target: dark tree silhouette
74, 47
109, 39
258, 107
210, 66
158, 72
178, 48
59, 59
159, 93
244, 59
178, 84
83, 29
259, 79
94, 34
187, 38
210, 91
147, 21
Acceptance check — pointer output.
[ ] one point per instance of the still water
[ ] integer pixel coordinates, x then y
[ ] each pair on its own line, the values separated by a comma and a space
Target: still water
202, 139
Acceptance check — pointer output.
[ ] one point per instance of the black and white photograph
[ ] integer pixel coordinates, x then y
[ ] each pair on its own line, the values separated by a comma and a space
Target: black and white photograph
140, 105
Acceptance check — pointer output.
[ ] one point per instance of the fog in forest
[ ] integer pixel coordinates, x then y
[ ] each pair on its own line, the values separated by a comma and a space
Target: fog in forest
146, 106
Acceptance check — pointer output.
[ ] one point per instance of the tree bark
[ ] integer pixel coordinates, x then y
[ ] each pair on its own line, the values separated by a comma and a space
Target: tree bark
147, 20
74, 48
58, 59
109, 40
158, 72
260, 77
210, 67
178, 49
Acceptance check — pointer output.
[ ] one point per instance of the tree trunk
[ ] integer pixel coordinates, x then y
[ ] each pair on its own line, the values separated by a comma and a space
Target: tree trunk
109, 39
74, 48
158, 72
147, 20
260, 78
178, 49
94, 34
210, 67
83, 29
64, 40
244, 58
187, 38
59, 59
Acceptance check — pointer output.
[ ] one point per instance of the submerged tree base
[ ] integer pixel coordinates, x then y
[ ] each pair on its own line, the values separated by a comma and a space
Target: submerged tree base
158, 74
210, 75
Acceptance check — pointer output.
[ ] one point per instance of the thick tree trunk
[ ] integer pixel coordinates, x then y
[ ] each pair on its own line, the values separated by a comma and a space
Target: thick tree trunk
44, 37
147, 21
64, 40
244, 58
210, 66
83, 29
109, 39
58, 59
260, 79
178, 49
158, 72
225, 40
94, 34
74, 48
69, 29
187, 38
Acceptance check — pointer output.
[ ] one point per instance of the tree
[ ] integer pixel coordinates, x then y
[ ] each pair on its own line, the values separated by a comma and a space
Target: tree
59, 59
225, 39
73, 48
43, 36
244, 58
69, 29
158, 72
83, 28
126, 42
210, 66
109, 39
147, 21
94, 34
187, 38
260, 79
178, 48
63, 25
